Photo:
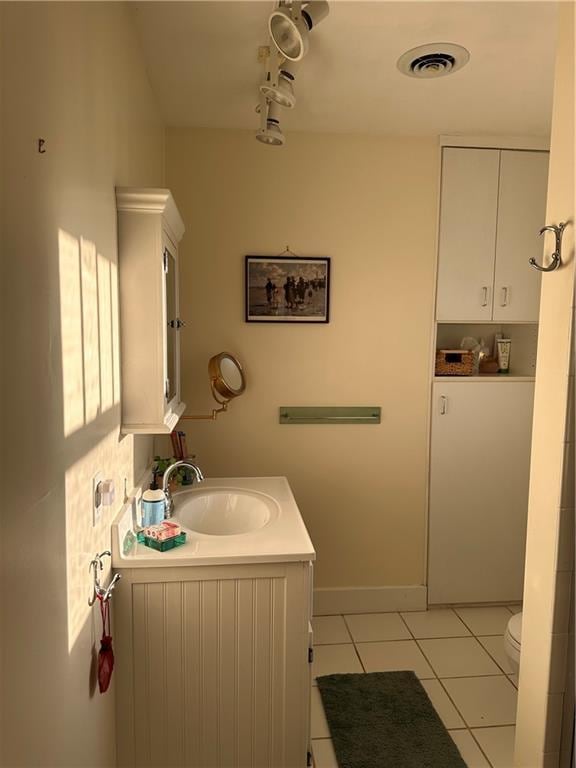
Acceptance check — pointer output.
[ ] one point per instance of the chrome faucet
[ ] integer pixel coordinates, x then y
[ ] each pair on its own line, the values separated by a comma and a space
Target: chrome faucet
169, 511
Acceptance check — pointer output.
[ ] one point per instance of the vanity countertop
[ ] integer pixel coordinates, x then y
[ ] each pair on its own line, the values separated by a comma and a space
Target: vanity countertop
283, 539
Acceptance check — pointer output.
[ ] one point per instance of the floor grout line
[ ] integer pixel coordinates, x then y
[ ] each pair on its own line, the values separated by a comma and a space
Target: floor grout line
359, 658
412, 635
480, 748
494, 659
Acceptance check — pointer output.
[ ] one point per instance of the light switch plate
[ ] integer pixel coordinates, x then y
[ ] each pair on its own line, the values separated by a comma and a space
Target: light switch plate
96, 499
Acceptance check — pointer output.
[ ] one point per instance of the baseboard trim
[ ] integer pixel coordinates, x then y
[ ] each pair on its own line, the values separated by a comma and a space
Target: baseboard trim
329, 601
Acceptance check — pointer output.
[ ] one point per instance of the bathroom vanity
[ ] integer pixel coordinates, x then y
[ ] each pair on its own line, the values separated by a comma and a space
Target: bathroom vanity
213, 638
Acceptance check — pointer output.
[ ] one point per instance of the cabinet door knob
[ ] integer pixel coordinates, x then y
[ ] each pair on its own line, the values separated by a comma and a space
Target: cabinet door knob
484, 295
443, 405
177, 323
504, 296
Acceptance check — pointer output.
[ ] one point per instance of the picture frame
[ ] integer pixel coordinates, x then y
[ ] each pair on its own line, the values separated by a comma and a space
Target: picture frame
287, 289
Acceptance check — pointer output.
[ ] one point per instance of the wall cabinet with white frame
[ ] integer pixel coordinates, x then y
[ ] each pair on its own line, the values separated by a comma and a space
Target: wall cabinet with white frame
149, 230
479, 473
493, 204
213, 666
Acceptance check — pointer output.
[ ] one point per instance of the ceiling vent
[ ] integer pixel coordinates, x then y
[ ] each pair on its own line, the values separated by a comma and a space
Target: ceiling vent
433, 60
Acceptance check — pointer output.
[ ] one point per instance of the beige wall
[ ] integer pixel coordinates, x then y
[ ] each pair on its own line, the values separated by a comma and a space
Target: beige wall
73, 75
549, 577
370, 203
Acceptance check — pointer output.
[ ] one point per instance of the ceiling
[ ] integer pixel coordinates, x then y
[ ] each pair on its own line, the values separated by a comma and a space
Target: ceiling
202, 63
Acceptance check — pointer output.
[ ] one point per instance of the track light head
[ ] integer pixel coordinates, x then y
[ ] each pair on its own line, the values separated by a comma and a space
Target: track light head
279, 86
270, 131
289, 26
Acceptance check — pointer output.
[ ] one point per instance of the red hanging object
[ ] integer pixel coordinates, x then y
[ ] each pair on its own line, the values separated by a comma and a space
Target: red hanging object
106, 654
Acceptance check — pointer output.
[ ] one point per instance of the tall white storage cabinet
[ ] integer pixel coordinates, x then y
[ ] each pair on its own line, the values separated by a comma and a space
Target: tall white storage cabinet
480, 467
492, 206
213, 666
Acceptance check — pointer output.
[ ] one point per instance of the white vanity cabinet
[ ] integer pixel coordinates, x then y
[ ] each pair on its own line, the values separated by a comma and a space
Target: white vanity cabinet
149, 230
479, 474
493, 204
213, 667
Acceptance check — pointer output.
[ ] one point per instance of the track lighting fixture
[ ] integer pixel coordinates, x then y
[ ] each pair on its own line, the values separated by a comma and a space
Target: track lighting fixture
290, 23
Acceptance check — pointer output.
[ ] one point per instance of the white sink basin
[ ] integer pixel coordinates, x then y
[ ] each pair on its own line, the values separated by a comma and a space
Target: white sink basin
229, 520
224, 511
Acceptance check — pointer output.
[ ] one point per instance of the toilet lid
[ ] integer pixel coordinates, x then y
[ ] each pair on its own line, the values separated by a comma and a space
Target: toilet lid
515, 628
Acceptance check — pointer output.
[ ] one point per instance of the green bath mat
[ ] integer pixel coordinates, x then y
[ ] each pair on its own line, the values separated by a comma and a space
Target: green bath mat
385, 720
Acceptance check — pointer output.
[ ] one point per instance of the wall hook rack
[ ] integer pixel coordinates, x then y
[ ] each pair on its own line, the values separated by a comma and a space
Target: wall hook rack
99, 592
556, 257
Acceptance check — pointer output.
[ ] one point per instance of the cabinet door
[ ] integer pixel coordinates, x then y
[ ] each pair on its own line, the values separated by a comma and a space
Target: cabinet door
521, 213
467, 234
172, 325
480, 462
212, 666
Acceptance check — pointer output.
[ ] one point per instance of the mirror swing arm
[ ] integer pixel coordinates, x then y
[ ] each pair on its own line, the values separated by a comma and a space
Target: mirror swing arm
215, 411
223, 390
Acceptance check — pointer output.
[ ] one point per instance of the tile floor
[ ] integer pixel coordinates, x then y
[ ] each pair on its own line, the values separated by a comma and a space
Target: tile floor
458, 654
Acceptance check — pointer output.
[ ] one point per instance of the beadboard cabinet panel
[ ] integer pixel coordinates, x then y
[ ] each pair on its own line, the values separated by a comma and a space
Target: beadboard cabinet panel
213, 668
479, 474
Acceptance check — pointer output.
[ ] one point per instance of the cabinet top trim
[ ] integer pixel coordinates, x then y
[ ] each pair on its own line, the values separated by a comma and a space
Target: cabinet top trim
486, 378
541, 143
146, 200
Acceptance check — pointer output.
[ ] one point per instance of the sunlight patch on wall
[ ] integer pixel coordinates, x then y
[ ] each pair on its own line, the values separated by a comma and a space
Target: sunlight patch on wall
89, 318
83, 539
90, 331
115, 314
105, 333
71, 329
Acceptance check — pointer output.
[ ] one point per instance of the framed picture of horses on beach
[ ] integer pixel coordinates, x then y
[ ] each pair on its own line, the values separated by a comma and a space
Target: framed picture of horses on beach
287, 289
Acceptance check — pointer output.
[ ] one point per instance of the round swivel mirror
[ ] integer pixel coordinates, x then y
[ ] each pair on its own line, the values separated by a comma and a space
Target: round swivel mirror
226, 376
227, 381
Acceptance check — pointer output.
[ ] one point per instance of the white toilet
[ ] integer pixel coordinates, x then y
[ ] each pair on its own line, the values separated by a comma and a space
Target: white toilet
513, 641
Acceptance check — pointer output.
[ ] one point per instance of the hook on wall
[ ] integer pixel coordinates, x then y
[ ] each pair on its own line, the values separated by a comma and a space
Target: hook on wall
556, 257
99, 592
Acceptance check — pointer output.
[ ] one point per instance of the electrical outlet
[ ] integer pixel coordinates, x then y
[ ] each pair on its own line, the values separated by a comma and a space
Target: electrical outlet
96, 499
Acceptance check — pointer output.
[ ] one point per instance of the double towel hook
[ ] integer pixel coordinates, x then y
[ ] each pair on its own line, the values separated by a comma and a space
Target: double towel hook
556, 257
99, 592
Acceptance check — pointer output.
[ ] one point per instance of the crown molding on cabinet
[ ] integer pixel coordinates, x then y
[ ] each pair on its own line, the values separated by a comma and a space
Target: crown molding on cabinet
147, 200
534, 143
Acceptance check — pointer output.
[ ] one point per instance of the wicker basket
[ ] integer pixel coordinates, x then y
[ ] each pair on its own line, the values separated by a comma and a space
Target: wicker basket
454, 362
